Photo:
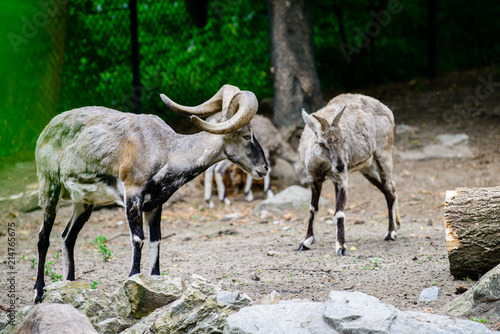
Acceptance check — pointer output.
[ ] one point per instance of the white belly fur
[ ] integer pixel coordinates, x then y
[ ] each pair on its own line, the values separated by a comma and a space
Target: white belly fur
95, 193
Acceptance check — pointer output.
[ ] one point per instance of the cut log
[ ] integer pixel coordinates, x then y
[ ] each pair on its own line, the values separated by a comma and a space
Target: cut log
472, 218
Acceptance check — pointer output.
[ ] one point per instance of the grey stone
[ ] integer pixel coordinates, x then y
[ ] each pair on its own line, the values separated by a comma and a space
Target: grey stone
453, 139
271, 298
430, 294
481, 301
355, 312
437, 152
49, 318
343, 312
279, 318
202, 308
403, 128
293, 197
146, 293
96, 304
12, 327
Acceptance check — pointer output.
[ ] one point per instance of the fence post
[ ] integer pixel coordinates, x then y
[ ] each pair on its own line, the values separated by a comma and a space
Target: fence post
136, 79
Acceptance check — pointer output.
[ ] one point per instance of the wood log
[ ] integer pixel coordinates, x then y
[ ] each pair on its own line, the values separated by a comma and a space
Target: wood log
472, 218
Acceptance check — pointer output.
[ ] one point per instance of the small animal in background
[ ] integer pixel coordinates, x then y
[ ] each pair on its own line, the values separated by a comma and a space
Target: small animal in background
352, 133
274, 146
96, 155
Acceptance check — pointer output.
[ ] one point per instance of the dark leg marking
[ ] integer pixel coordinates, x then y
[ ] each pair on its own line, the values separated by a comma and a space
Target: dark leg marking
154, 221
339, 218
81, 214
134, 218
52, 195
315, 194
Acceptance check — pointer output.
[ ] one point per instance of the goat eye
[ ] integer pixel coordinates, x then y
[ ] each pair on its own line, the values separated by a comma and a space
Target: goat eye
247, 137
322, 145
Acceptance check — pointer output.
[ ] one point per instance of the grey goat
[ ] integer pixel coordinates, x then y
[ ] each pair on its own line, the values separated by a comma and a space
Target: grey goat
352, 133
96, 155
274, 146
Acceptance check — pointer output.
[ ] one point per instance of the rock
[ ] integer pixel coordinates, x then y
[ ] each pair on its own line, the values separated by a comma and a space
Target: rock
147, 293
343, 312
231, 216
296, 318
108, 313
11, 327
482, 300
293, 197
437, 152
4, 320
403, 128
271, 298
453, 139
49, 318
430, 294
202, 308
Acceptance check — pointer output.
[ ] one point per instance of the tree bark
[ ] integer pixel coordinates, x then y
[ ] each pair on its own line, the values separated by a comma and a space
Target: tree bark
296, 83
472, 218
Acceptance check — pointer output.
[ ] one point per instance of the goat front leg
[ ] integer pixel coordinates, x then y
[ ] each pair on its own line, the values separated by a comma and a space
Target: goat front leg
267, 184
209, 176
339, 217
248, 188
313, 210
154, 219
134, 219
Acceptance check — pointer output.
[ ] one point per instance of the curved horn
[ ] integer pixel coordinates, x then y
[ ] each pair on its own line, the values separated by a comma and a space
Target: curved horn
220, 101
336, 120
241, 110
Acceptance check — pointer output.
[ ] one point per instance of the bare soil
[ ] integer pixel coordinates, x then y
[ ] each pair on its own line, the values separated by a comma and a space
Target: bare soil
256, 254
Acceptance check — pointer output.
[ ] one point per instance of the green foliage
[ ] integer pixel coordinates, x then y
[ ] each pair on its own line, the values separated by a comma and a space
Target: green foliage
105, 252
49, 271
187, 63
93, 285
476, 319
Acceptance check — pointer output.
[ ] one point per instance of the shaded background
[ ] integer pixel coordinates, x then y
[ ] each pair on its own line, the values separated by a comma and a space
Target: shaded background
57, 55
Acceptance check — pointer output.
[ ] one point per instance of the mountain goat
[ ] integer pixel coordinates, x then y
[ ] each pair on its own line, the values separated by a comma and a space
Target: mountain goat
96, 155
352, 133
273, 145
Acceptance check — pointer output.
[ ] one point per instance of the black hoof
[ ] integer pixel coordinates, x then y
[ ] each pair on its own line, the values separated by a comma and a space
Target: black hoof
342, 252
302, 248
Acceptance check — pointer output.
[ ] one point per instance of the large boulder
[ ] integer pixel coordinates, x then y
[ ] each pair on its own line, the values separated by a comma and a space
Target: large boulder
107, 313
481, 301
48, 318
344, 312
203, 308
146, 293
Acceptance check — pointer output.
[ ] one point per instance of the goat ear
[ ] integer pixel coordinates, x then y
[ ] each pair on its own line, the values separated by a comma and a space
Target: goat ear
311, 122
336, 120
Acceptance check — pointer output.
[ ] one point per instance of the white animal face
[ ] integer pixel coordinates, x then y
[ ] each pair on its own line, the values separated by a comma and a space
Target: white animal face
329, 141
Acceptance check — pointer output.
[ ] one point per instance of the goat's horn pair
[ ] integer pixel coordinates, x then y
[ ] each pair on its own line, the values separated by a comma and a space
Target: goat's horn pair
238, 107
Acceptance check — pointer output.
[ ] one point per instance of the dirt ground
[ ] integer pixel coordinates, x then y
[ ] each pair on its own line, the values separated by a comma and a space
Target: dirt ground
256, 254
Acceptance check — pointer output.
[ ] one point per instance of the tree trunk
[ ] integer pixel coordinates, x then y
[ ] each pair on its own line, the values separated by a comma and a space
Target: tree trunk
431, 39
472, 218
296, 83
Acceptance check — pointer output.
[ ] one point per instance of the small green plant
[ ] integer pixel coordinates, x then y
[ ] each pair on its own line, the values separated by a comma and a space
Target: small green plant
468, 280
94, 285
56, 255
476, 319
105, 252
33, 263
49, 271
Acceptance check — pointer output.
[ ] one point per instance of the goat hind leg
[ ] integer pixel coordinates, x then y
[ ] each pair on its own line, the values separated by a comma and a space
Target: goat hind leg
50, 194
154, 219
306, 243
81, 214
379, 174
